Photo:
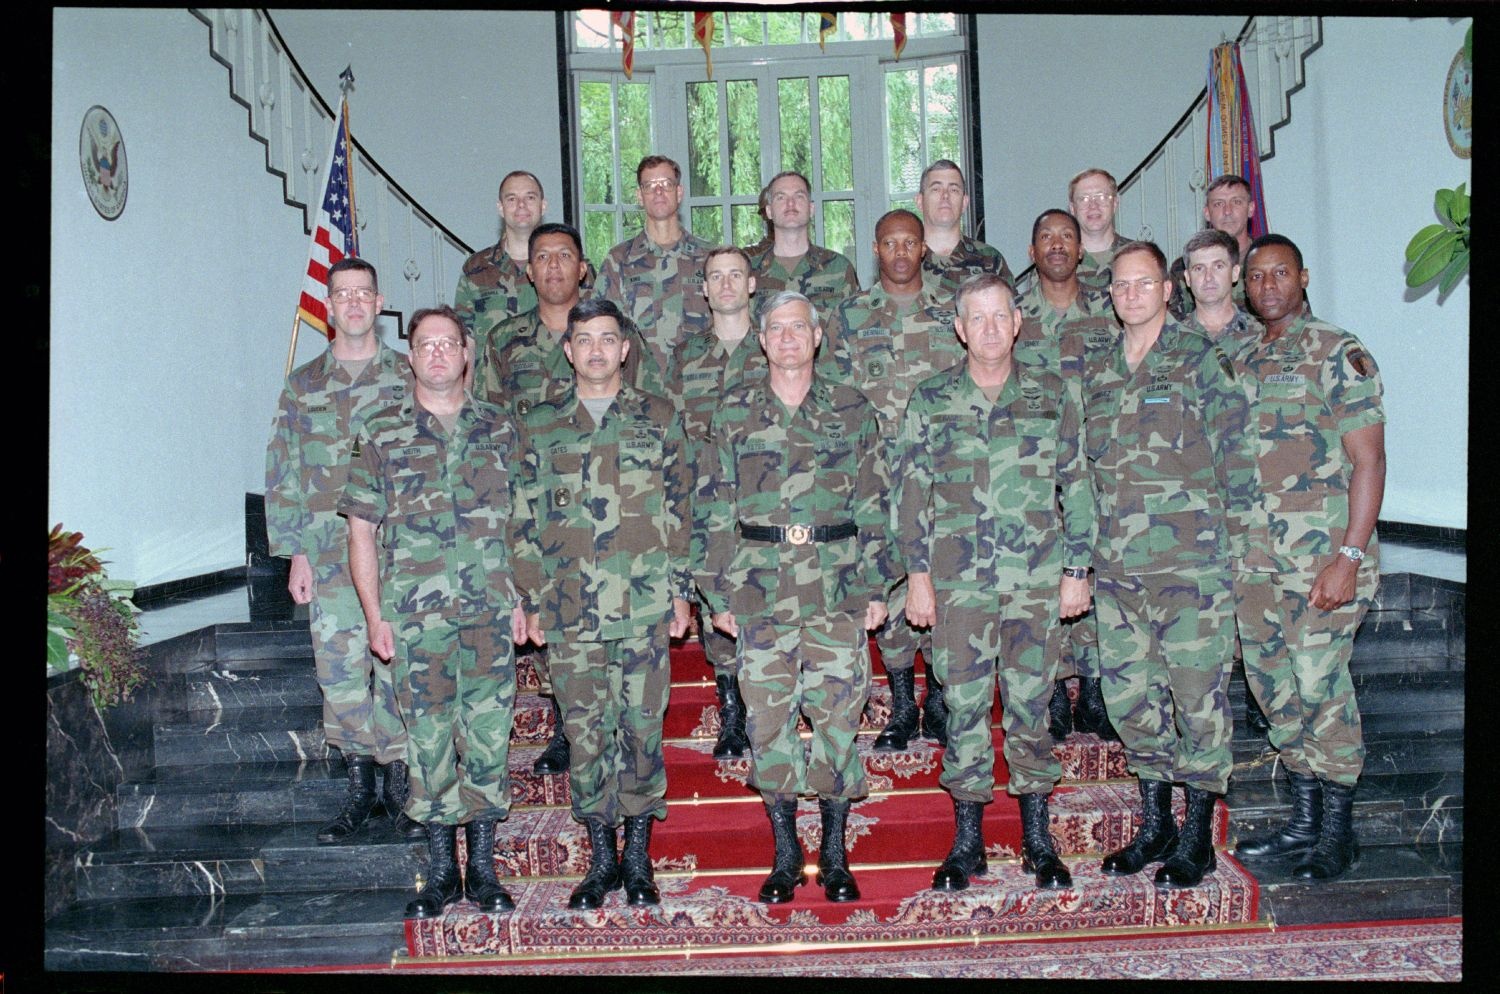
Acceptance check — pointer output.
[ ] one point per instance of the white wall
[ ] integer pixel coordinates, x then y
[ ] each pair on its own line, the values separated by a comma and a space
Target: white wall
446, 101
1352, 180
1061, 93
169, 325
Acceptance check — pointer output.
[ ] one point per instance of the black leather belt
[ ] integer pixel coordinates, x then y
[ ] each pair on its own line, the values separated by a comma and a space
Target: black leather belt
798, 534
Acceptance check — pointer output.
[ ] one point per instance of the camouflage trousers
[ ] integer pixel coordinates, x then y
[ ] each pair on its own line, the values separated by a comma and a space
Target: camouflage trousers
537, 656
613, 696
1297, 665
821, 671
1077, 648
1166, 643
898, 641
456, 680
718, 648
361, 716
1011, 639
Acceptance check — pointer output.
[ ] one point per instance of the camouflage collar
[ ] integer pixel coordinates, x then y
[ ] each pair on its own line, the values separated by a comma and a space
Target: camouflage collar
927, 297
386, 359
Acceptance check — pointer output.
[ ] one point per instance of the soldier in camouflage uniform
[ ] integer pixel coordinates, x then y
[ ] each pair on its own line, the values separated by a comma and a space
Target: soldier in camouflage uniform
430, 469
789, 261
993, 558
1311, 567
1093, 198
523, 365
493, 285
601, 540
1169, 456
1228, 206
1058, 311
951, 255
306, 465
707, 365
1210, 262
884, 342
656, 278
792, 520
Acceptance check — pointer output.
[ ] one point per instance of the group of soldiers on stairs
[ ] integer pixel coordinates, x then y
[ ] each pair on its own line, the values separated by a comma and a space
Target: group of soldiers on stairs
1127, 472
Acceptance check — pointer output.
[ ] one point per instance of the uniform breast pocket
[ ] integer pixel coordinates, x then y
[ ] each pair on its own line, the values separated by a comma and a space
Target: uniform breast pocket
1183, 521
413, 471
758, 472
640, 294
836, 459
1159, 418
1037, 454
562, 479
641, 477
1099, 425
1283, 409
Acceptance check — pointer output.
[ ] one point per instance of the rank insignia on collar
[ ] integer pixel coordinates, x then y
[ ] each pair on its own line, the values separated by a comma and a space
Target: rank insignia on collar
561, 497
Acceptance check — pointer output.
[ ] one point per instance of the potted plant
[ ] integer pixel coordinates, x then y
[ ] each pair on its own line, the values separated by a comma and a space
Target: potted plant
91, 621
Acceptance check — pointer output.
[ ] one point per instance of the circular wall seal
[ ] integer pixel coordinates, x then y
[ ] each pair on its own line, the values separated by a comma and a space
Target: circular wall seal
101, 156
1458, 106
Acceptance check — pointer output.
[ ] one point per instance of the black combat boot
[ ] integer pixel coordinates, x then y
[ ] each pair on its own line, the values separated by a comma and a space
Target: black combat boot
934, 711
1059, 712
1155, 836
1300, 833
359, 802
604, 868
635, 862
1092, 715
833, 861
966, 858
480, 883
786, 868
554, 758
732, 740
443, 886
1255, 718
1336, 849
1192, 854
902, 727
395, 793
1038, 854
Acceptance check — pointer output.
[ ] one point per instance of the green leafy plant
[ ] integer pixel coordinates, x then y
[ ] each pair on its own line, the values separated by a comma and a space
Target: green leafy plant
90, 621
1441, 251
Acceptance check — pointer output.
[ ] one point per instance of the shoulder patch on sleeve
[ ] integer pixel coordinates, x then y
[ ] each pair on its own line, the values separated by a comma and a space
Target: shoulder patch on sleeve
1360, 360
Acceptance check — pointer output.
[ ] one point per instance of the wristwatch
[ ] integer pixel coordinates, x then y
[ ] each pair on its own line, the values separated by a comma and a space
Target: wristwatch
1354, 555
1076, 572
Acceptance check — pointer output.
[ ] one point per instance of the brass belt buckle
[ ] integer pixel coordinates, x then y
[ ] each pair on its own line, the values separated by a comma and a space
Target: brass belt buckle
799, 534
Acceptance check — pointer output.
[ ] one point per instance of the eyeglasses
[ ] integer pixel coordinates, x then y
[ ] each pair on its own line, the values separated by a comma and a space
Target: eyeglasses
657, 185
1123, 287
344, 295
438, 346
1094, 198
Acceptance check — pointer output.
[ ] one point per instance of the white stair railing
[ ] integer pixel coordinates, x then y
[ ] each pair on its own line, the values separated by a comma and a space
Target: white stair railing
1162, 199
296, 127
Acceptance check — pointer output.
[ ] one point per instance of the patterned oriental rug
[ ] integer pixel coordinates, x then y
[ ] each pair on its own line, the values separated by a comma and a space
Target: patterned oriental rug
1430, 951
714, 849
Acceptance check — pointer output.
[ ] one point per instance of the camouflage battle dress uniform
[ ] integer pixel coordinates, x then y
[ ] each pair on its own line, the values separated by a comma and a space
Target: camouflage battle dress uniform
1181, 303
800, 605
660, 288
601, 543
703, 371
1041, 344
1240, 329
444, 502
977, 509
1094, 270
969, 257
1169, 459
306, 468
494, 287
1308, 389
884, 350
822, 275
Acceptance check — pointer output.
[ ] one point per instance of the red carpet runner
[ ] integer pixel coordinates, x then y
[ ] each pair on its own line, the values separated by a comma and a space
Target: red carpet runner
714, 849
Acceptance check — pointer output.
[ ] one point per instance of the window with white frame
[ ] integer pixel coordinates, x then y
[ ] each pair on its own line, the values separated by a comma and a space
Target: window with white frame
859, 123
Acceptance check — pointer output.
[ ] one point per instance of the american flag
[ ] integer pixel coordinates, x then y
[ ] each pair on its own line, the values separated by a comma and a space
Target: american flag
333, 235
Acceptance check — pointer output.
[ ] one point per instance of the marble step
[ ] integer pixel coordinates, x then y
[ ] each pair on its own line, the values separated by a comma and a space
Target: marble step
350, 926
240, 735
1390, 882
1386, 751
1389, 808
